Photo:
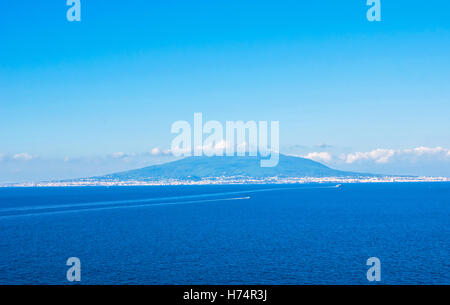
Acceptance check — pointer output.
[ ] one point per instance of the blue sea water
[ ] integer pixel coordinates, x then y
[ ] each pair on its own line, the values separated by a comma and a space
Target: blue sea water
229, 234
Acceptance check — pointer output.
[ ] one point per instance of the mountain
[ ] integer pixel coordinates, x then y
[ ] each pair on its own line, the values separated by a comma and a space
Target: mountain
193, 168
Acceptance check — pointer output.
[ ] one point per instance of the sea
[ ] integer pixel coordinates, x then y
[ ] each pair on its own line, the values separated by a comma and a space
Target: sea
227, 234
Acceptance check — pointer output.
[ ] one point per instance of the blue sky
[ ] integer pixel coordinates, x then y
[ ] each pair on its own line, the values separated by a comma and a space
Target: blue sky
104, 91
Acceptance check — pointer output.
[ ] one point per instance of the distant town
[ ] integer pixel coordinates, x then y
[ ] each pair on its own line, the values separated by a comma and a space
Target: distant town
227, 180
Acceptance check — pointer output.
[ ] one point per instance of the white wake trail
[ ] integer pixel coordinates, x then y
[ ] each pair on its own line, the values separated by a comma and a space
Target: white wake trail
133, 203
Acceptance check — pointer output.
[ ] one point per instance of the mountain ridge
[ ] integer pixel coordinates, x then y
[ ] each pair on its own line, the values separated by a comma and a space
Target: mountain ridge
192, 168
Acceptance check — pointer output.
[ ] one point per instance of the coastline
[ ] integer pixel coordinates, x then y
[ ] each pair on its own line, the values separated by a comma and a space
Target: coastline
227, 181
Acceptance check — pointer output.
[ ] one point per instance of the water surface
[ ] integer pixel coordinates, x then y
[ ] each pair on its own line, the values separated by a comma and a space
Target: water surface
231, 234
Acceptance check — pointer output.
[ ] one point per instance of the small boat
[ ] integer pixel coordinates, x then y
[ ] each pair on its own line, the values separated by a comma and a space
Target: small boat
339, 185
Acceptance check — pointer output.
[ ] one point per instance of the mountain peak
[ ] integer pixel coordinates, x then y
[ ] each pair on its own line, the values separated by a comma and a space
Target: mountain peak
233, 166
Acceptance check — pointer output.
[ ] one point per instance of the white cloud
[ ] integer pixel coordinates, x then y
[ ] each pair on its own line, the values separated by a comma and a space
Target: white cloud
126, 157
22, 157
156, 151
221, 147
378, 155
319, 156
159, 152
430, 150
386, 155
118, 155
212, 148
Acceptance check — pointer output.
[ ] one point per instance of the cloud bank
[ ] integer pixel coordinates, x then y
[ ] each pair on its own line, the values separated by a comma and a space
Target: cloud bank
382, 155
421, 161
389, 155
319, 156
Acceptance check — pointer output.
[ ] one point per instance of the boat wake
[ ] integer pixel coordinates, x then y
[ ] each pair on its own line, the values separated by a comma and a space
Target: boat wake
137, 203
